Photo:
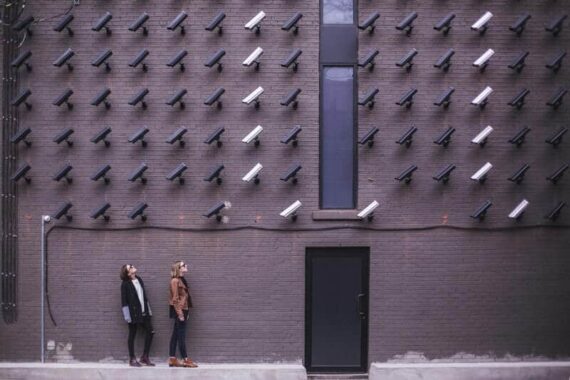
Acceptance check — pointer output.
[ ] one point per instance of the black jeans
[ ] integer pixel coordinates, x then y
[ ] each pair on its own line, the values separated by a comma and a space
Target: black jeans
149, 332
179, 336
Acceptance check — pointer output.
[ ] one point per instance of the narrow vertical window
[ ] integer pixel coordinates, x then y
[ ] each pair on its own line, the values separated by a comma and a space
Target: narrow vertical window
337, 138
338, 11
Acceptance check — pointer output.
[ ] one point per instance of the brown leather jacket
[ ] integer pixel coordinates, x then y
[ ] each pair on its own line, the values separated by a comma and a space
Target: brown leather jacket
179, 296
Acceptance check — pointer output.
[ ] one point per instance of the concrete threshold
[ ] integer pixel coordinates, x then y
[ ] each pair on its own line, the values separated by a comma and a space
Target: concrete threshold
85, 371
549, 370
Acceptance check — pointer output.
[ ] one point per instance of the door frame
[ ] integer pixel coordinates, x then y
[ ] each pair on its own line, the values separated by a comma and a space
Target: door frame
311, 252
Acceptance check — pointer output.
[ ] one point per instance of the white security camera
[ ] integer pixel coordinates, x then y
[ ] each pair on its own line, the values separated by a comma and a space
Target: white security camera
481, 174
255, 22
481, 24
253, 58
481, 138
253, 135
481, 99
291, 211
483, 60
253, 97
368, 210
518, 211
253, 173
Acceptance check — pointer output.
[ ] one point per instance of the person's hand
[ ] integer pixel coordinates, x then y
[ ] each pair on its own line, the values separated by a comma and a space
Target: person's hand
181, 318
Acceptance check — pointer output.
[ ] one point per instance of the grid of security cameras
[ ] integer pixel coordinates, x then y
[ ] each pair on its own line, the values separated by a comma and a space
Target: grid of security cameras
215, 25
480, 100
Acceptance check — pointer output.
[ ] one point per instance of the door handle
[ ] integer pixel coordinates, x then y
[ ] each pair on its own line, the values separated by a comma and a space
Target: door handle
361, 305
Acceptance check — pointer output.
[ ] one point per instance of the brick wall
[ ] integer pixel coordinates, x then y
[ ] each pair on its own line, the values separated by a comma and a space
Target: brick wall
440, 290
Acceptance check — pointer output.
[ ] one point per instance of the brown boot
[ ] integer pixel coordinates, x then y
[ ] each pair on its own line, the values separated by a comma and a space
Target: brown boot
188, 363
173, 362
146, 361
133, 363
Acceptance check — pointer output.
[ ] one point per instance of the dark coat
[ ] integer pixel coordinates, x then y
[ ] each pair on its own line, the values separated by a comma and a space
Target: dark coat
132, 310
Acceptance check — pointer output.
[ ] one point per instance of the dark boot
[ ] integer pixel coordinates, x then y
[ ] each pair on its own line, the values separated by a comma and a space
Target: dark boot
133, 363
146, 361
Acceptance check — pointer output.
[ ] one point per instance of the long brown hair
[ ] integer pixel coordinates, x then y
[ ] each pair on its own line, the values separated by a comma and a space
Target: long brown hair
175, 270
124, 272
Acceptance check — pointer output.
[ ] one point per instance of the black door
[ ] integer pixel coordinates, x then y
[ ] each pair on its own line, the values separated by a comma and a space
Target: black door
336, 307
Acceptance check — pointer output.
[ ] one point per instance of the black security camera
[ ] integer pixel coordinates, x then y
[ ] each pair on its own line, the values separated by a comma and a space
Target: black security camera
215, 174
102, 23
177, 136
102, 136
64, 24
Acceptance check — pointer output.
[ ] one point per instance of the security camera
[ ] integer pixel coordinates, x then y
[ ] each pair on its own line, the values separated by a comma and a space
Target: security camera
177, 59
519, 138
368, 98
445, 98
64, 59
138, 174
483, 61
255, 22
217, 209
445, 138
177, 22
102, 173
216, 23
63, 173
20, 136
214, 98
100, 211
556, 138
481, 99
555, 212
291, 210
102, 136
518, 100
444, 62
407, 61
555, 25
518, 63
406, 175
292, 59
253, 58
64, 98
445, 24
481, 24
520, 23
22, 98
407, 138
253, 174
519, 210
139, 98
443, 174
556, 63
481, 138
177, 136
291, 173
102, 58
102, 98
214, 174
369, 23
137, 211
291, 136
557, 175
22, 60
21, 173
408, 98
64, 136
177, 98
253, 97
102, 23
368, 60
139, 136
64, 24
556, 100
291, 98
518, 176
368, 211
481, 212
368, 138
215, 59
24, 23
63, 210
139, 59
292, 23
407, 23
215, 136
481, 174
177, 173
139, 22
253, 135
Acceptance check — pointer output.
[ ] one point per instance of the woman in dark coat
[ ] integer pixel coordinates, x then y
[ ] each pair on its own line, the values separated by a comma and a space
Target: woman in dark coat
137, 313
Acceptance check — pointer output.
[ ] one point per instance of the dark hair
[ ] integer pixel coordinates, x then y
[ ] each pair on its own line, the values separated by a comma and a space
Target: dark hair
124, 272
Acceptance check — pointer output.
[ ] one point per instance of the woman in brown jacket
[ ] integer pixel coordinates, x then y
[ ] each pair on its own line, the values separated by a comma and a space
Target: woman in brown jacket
180, 302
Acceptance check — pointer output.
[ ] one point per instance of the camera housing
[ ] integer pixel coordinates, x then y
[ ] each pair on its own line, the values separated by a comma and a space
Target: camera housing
291, 210
368, 138
519, 210
140, 57
482, 99
407, 138
253, 97
214, 98
291, 174
102, 98
519, 24
102, 173
292, 23
215, 59
292, 59
64, 24
139, 22
369, 23
138, 173
481, 174
518, 176
139, 135
177, 135
216, 23
102, 58
102, 23
555, 212
64, 98
368, 60
20, 136
368, 211
368, 98
483, 61
253, 58
444, 62
481, 212
408, 98
445, 98
443, 174
556, 63
63, 210
520, 137
177, 22
253, 174
214, 174
24, 23
22, 59
555, 26
291, 98
407, 174
518, 63
64, 59
445, 138
100, 211
255, 23
102, 136
482, 24
518, 100
407, 23
557, 175
444, 25
139, 98
177, 59
292, 135
556, 100
137, 211
215, 136
64, 136
21, 173
556, 138
177, 98
253, 136
407, 61
22, 97
63, 173
216, 210
481, 138
177, 173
